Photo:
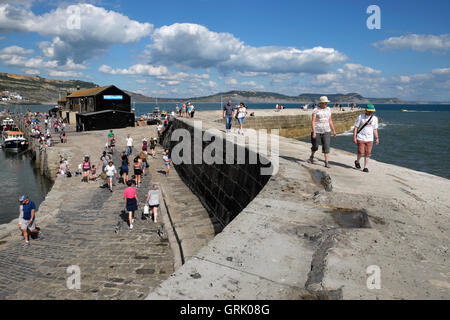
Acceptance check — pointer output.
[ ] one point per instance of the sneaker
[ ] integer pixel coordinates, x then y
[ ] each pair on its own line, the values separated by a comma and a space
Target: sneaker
131, 227
26, 244
327, 165
134, 220
310, 160
357, 165
366, 170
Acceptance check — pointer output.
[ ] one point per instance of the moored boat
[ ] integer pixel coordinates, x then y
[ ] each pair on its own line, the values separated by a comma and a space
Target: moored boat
14, 141
7, 125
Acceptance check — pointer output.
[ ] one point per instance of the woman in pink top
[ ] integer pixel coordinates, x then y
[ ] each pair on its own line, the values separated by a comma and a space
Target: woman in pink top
131, 202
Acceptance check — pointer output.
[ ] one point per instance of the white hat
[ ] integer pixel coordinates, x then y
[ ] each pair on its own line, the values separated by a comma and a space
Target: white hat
324, 99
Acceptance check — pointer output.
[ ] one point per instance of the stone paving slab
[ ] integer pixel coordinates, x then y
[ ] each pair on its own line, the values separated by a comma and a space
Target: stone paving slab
121, 265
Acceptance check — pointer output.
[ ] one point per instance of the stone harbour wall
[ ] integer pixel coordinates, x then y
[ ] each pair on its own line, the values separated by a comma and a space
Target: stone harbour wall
298, 125
224, 189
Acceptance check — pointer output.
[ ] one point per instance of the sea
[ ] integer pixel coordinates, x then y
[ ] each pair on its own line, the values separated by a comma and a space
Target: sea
411, 136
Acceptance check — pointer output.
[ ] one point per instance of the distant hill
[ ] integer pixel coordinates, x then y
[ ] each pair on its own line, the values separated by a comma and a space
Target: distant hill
270, 97
40, 90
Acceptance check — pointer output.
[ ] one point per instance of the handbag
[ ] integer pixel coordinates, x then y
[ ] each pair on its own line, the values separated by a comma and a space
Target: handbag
103, 176
146, 209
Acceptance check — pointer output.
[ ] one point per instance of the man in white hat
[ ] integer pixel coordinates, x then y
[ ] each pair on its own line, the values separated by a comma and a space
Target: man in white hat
322, 126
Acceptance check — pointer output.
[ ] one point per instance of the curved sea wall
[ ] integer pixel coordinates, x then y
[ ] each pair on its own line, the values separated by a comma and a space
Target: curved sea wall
224, 189
296, 239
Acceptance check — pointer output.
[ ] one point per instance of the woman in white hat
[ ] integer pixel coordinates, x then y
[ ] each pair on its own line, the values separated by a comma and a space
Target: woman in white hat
322, 126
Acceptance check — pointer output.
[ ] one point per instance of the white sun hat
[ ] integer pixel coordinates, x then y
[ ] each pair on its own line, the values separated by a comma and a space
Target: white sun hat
324, 99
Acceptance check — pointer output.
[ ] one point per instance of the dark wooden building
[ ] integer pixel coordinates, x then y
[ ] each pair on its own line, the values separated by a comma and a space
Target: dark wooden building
100, 108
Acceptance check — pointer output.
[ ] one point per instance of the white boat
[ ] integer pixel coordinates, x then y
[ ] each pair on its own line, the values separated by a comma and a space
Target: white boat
14, 141
7, 125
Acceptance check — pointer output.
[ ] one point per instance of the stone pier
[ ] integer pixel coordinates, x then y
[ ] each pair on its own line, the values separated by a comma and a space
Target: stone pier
295, 240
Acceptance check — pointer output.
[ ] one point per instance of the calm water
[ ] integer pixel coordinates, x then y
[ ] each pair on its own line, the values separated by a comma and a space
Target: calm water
18, 177
416, 139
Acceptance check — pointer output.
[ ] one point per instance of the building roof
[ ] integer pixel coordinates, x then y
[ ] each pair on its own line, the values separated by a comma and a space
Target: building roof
63, 100
88, 92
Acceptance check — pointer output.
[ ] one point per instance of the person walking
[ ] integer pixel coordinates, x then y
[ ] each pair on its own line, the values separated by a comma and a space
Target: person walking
322, 127
111, 141
131, 202
366, 127
153, 201
124, 168
241, 115
104, 160
137, 167
228, 112
86, 169
167, 161
153, 142
192, 111
129, 145
144, 145
111, 172
28, 222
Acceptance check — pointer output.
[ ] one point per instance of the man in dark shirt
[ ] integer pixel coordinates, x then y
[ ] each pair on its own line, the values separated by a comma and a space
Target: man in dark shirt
228, 112
28, 219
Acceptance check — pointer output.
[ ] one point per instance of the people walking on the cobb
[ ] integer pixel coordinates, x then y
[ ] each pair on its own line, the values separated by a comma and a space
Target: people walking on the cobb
111, 172
28, 221
105, 158
322, 127
137, 167
124, 167
167, 161
86, 169
129, 145
153, 142
153, 201
366, 127
111, 141
228, 112
241, 115
131, 202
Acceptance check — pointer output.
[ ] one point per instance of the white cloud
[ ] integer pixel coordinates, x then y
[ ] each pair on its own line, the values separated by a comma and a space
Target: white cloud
65, 74
137, 69
417, 42
194, 46
434, 85
18, 57
231, 82
15, 50
98, 29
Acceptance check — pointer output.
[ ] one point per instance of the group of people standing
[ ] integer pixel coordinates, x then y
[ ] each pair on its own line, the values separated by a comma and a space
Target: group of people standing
187, 110
365, 129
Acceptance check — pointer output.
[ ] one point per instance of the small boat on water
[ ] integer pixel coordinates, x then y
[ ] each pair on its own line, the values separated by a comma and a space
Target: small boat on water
14, 141
7, 125
404, 110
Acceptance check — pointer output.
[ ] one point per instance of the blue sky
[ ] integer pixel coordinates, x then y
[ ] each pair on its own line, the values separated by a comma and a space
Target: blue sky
187, 48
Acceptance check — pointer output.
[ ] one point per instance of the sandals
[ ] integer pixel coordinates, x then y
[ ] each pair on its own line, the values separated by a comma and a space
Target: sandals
357, 164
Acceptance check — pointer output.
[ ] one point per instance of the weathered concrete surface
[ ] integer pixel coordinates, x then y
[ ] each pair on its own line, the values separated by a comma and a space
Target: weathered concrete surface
78, 221
288, 243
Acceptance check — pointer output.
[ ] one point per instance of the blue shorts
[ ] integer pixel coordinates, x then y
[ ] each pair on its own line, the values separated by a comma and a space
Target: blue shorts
241, 120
